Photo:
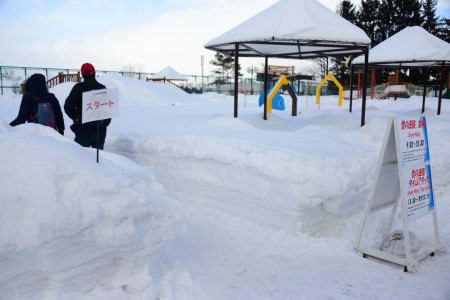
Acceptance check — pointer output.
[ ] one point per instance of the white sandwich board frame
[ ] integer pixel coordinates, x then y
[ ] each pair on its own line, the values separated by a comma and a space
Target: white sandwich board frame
403, 175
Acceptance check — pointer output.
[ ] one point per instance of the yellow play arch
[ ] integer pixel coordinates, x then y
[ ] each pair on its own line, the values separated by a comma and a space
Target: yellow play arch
341, 89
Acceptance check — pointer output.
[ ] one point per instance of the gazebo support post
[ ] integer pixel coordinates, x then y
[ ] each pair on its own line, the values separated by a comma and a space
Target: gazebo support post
441, 85
266, 79
351, 88
372, 89
425, 73
236, 78
364, 94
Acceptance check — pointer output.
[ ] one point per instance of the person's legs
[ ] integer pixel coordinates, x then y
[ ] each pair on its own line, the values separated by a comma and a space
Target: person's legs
89, 139
83, 139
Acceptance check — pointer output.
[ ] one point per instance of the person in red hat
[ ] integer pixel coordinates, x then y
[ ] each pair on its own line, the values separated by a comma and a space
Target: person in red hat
85, 134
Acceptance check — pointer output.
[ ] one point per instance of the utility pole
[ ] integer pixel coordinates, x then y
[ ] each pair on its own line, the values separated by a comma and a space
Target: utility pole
203, 63
251, 70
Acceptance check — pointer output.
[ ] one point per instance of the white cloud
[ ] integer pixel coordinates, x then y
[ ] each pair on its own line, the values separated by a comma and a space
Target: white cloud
443, 4
69, 34
113, 34
174, 38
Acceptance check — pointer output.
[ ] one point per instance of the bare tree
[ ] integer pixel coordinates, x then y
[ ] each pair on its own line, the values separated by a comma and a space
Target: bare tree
140, 68
10, 75
321, 67
128, 70
310, 69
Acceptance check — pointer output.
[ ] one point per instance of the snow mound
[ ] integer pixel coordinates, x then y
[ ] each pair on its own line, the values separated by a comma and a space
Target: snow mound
143, 92
64, 192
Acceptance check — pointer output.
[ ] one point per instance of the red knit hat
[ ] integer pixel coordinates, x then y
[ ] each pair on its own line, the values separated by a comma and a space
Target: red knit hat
87, 69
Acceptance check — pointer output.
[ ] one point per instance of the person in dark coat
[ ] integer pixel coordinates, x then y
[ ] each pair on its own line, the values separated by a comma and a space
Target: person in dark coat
85, 134
36, 88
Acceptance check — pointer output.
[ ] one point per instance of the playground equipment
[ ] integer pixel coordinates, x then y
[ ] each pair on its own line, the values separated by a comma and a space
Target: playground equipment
281, 81
396, 88
274, 100
285, 80
393, 87
341, 89
386, 90
358, 90
277, 102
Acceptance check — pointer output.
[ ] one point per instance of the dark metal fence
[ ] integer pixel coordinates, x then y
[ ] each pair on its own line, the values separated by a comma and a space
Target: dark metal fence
11, 78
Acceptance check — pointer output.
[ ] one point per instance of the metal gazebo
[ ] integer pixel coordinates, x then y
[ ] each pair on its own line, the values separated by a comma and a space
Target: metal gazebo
294, 29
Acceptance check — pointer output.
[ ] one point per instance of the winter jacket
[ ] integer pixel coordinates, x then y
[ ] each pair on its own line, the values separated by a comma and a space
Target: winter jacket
74, 103
36, 87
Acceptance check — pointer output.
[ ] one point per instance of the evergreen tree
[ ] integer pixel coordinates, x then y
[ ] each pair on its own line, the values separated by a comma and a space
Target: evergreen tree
395, 15
430, 21
431, 24
347, 10
406, 13
368, 19
385, 26
443, 29
224, 67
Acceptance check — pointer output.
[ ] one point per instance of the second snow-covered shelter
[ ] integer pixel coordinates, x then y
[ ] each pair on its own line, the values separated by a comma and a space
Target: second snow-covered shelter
411, 48
167, 74
295, 29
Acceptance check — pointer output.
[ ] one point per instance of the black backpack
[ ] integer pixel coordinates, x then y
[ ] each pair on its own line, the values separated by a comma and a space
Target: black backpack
44, 112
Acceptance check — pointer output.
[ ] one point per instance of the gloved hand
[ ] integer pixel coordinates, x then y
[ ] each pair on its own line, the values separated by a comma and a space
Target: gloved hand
77, 120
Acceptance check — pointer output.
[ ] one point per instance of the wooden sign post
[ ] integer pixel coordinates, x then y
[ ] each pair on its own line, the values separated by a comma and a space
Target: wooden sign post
403, 175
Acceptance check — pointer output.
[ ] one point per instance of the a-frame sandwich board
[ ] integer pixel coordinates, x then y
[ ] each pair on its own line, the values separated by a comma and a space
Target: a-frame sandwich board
403, 175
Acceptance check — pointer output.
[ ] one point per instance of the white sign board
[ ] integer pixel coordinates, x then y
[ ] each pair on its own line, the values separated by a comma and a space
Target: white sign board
417, 191
418, 199
100, 104
413, 140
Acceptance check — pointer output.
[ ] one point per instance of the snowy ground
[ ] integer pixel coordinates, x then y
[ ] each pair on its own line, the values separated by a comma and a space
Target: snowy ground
188, 202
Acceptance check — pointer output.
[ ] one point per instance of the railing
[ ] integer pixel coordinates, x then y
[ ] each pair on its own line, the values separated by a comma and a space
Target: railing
163, 80
60, 78
11, 77
402, 88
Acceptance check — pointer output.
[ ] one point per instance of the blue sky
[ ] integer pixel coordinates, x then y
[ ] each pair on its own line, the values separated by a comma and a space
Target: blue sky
147, 34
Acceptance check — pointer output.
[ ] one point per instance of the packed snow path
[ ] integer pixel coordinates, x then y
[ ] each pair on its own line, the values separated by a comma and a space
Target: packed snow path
257, 246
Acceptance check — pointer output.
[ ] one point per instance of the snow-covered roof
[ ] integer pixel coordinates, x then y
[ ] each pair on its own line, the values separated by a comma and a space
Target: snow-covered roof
293, 29
169, 74
411, 47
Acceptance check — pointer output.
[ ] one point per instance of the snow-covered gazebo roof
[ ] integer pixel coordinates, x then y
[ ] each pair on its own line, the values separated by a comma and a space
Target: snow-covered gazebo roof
412, 47
168, 73
293, 29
